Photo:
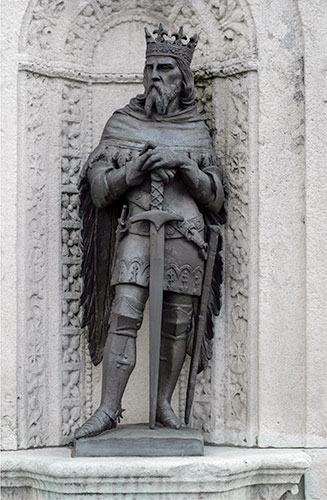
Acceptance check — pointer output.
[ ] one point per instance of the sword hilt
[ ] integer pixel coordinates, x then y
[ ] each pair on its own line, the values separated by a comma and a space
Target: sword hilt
157, 193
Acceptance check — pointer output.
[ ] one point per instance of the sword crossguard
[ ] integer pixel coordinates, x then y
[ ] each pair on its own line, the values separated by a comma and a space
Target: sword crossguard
157, 217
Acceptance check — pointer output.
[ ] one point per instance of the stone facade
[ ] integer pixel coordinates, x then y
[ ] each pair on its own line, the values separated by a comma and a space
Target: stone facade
260, 72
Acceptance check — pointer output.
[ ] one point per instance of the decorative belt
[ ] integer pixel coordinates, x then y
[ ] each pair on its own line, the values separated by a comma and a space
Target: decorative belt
187, 227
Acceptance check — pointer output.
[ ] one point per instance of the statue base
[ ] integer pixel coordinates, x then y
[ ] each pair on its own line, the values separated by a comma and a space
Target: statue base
139, 441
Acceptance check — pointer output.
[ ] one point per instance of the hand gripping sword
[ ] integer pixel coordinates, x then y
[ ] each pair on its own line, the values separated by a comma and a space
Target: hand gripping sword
157, 218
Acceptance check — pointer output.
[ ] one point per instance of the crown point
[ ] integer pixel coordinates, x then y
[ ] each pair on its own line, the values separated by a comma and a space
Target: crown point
179, 36
160, 32
193, 41
148, 37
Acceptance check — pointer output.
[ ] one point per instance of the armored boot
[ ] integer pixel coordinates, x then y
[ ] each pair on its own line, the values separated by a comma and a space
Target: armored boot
118, 363
176, 325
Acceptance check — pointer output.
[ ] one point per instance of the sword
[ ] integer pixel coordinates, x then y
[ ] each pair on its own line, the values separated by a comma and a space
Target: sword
157, 218
202, 318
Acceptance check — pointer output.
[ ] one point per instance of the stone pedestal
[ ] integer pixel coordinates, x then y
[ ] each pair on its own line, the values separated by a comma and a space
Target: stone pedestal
222, 473
140, 441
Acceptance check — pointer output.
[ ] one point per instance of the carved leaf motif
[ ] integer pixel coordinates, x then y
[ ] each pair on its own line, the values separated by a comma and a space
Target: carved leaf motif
35, 352
233, 23
43, 23
74, 379
69, 204
77, 402
274, 492
203, 94
96, 17
75, 413
189, 19
236, 178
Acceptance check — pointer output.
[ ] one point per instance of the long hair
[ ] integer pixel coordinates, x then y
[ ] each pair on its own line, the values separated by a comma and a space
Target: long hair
187, 98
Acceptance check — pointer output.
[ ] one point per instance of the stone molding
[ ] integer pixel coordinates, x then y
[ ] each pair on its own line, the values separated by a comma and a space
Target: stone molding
223, 473
86, 74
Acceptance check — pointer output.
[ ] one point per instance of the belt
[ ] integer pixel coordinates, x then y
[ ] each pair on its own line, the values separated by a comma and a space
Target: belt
187, 227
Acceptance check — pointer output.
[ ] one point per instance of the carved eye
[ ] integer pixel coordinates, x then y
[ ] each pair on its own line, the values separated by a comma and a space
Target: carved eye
166, 67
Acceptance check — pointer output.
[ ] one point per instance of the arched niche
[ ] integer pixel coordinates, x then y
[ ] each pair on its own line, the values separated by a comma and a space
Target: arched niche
79, 61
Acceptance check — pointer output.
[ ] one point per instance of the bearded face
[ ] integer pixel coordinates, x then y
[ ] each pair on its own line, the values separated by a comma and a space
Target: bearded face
163, 84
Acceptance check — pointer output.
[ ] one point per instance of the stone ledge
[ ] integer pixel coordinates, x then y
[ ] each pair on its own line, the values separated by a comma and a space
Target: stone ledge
222, 473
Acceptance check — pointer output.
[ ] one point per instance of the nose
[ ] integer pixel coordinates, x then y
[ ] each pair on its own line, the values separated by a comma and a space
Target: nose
155, 75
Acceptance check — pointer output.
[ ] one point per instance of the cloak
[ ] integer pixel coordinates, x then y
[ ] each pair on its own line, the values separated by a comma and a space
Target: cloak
123, 138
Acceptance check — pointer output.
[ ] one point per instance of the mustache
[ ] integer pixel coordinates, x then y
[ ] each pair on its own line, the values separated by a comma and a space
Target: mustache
158, 86
162, 89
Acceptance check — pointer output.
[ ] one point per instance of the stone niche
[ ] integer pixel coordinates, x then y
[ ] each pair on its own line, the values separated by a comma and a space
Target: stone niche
79, 61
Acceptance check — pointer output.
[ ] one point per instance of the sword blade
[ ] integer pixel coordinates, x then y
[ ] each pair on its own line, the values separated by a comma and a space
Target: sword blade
157, 248
157, 218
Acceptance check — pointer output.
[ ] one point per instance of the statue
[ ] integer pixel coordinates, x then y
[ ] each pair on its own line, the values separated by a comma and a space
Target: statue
149, 192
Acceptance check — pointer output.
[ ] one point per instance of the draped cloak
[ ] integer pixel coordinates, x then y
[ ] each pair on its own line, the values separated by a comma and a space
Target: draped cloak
124, 136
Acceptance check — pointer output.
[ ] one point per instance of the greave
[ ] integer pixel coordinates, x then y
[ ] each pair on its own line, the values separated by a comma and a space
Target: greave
120, 351
176, 324
171, 361
118, 363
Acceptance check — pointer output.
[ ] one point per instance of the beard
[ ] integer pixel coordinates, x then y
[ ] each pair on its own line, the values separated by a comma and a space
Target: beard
158, 97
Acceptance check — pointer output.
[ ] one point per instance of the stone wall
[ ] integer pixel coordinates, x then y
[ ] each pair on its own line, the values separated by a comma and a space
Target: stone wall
260, 71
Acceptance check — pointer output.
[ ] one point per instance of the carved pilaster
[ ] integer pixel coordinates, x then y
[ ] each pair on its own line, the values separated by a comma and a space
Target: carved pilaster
77, 380
236, 168
36, 222
36, 337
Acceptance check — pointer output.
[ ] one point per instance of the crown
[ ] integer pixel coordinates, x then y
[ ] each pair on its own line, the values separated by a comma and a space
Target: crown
159, 46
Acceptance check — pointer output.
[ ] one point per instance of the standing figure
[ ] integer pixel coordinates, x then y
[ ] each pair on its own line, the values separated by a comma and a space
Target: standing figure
155, 153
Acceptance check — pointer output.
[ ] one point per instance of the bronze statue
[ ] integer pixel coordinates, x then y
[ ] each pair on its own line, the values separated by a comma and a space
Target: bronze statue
149, 192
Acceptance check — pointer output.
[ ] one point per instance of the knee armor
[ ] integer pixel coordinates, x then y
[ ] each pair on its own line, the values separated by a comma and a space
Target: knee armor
176, 320
126, 316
